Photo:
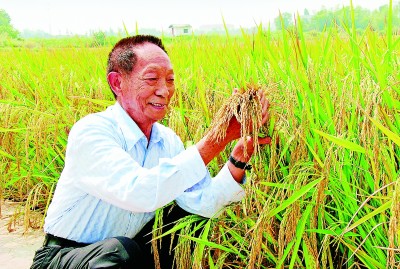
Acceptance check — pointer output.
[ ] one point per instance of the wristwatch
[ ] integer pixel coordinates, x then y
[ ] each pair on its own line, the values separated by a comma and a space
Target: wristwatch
239, 164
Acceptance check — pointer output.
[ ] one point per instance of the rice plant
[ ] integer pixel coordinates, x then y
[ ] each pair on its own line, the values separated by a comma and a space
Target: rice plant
324, 194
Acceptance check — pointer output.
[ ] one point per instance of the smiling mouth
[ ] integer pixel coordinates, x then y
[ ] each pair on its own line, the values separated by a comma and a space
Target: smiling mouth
158, 105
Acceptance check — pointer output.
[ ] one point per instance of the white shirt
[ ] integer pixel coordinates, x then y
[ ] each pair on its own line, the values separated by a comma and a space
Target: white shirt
114, 180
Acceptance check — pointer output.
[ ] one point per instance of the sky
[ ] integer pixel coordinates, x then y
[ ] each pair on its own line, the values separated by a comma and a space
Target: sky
84, 16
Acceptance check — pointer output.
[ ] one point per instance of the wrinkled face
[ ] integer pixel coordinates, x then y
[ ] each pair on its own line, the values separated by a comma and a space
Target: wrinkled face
147, 91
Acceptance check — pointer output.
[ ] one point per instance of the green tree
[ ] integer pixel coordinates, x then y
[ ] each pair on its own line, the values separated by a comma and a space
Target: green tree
287, 20
322, 19
380, 17
362, 17
99, 39
5, 25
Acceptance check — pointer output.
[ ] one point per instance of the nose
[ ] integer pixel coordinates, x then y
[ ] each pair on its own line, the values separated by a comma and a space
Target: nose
162, 89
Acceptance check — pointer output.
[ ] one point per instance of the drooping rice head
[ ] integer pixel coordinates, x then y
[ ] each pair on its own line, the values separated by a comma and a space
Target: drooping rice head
245, 106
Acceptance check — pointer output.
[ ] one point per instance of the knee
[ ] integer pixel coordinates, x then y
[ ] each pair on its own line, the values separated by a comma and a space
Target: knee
118, 252
130, 246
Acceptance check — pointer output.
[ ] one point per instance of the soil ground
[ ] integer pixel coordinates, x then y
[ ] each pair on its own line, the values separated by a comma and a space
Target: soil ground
17, 246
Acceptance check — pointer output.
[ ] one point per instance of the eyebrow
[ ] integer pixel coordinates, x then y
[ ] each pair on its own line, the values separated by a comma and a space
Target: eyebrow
156, 67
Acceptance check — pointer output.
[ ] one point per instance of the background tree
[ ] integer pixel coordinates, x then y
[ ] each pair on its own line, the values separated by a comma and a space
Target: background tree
5, 25
363, 18
284, 17
322, 19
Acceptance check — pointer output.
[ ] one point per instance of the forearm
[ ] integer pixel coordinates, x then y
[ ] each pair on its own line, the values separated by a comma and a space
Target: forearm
209, 149
239, 155
236, 173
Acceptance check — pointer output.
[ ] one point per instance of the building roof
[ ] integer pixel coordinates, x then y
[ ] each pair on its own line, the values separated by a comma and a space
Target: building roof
180, 26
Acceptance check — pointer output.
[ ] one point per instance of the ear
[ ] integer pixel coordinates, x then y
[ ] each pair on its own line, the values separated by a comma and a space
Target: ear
114, 80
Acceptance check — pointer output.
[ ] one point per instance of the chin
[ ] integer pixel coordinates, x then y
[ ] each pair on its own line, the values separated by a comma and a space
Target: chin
158, 118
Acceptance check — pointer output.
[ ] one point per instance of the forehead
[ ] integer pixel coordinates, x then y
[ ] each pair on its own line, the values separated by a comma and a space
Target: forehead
152, 55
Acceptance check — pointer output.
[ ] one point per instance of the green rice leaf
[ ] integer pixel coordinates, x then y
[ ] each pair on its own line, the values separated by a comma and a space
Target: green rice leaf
342, 142
7, 155
366, 258
392, 136
370, 215
293, 198
204, 236
210, 261
314, 154
210, 244
15, 130
299, 234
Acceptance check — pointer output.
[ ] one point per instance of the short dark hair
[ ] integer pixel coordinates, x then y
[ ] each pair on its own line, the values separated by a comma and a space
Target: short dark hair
122, 57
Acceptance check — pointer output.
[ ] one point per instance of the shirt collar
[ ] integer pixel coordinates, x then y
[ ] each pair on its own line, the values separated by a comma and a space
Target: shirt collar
156, 134
131, 130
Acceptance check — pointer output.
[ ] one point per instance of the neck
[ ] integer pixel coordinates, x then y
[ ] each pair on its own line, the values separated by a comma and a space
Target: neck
146, 129
144, 126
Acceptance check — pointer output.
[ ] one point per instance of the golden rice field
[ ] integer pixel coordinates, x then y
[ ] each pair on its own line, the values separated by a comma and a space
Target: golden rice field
325, 194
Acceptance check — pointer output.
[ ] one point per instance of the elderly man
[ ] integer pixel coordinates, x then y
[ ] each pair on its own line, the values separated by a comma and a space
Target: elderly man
121, 165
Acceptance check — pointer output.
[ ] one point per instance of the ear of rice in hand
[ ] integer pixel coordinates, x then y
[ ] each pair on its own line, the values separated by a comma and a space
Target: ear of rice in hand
245, 106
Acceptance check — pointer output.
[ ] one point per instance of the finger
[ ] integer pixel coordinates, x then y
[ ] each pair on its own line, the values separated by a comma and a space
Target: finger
265, 105
265, 117
244, 142
264, 141
261, 93
248, 140
263, 100
265, 112
250, 145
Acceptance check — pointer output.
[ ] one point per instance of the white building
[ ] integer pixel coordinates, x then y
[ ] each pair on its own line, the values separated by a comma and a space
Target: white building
180, 29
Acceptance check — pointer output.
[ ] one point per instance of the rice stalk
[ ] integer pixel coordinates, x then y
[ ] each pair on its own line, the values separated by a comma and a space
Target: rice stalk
157, 231
257, 239
393, 233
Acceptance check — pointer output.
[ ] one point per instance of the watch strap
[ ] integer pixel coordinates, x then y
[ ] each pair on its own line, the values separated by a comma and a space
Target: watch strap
239, 164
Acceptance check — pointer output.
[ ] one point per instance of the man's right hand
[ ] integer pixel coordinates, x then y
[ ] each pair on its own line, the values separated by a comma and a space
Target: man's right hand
234, 130
209, 149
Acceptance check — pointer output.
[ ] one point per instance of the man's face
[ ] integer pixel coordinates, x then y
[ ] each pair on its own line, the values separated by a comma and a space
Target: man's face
147, 91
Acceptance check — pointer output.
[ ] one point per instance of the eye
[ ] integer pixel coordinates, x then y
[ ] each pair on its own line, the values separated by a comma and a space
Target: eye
171, 78
151, 80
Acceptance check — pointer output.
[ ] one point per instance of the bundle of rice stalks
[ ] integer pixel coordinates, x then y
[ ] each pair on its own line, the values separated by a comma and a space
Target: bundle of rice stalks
245, 106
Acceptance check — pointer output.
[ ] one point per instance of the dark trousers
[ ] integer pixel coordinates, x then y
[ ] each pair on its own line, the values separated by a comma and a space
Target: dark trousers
117, 252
